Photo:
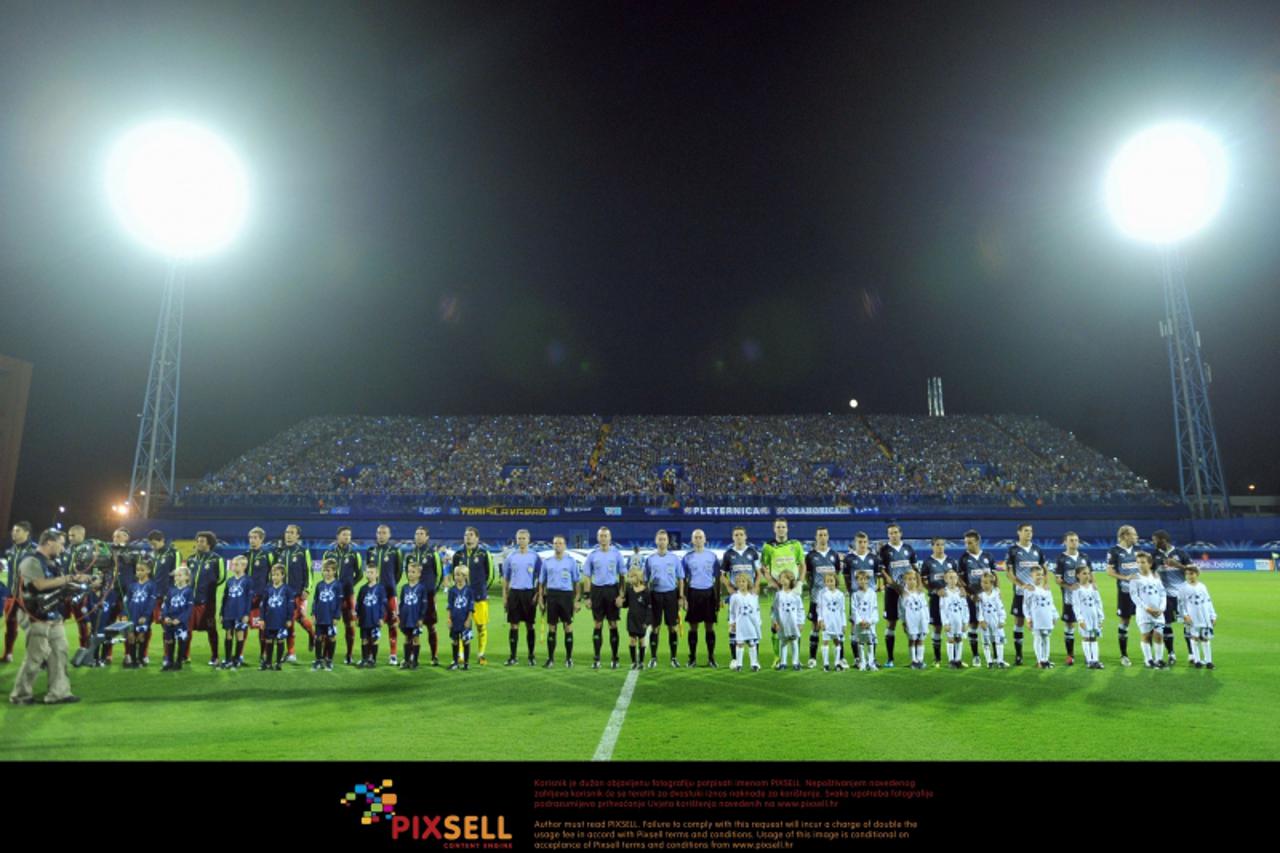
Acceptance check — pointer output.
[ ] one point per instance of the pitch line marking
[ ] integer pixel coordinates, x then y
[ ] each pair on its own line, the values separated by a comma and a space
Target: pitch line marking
604, 752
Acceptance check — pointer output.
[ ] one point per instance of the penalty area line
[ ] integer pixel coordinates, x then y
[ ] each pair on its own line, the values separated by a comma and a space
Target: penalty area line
604, 751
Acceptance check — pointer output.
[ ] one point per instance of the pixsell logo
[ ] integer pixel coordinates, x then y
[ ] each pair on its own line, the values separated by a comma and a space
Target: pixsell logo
377, 805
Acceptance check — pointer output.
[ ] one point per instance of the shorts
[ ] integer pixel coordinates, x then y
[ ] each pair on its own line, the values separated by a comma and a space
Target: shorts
747, 642
702, 605
415, 631
374, 633
1148, 623
892, 606
1090, 634
202, 618
175, 632
480, 617
1069, 614
329, 630
1125, 606
604, 603
666, 607
994, 636
956, 626
276, 633
559, 606
935, 612
1016, 609
234, 625
520, 606
144, 628
460, 636
1204, 632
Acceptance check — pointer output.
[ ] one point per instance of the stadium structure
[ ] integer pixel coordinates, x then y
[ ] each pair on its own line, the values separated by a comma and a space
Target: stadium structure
568, 474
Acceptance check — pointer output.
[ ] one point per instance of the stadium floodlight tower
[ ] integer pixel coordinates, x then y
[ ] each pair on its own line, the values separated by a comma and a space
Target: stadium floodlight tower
1165, 184
182, 192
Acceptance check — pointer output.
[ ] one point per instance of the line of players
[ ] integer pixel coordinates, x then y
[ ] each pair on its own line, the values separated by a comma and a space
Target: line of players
960, 594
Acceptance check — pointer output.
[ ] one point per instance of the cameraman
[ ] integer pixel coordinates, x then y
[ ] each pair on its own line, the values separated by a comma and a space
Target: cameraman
46, 638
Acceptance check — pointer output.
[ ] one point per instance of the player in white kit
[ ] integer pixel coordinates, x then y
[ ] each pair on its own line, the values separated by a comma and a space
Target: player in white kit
865, 610
1148, 596
1198, 614
914, 606
1041, 616
831, 622
744, 620
991, 622
1087, 602
788, 612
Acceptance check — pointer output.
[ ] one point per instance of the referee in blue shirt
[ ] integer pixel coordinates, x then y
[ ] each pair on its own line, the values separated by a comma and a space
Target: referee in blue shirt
702, 574
560, 588
665, 577
603, 569
520, 572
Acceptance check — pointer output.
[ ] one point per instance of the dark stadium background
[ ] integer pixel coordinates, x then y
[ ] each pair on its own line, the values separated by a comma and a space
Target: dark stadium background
571, 207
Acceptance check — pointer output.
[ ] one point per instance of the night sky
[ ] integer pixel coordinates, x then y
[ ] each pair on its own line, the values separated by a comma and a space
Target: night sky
636, 208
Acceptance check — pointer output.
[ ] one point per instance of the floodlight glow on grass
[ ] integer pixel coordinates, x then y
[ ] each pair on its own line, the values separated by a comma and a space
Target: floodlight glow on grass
177, 188
1167, 182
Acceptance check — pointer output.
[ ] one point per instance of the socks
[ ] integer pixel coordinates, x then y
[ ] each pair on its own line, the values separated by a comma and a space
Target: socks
813, 646
937, 647
673, 642
973, 641
1017, 640
711, 641
512, 641
597, 640
755, 660
551, 644
568, 645
1069, 636
738, 655
613, 640
431, 640
528, 638
1123, 634
888, 643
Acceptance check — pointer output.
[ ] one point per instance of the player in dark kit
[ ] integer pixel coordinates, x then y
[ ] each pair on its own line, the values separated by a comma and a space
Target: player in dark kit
1069, 562
702, 583
478, 562
973, 565
521, 570
559, 590
1122, 564
896, 559
432, 580
350, 572
296, 559
387, 558
165, 559
1171, 565
603, 570
208, 570
818, 563
861, 559
934, 571
741, 558
125, 573
1023, 557
258, 563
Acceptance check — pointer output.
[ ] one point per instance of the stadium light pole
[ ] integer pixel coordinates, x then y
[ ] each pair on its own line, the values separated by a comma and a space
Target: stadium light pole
1165, 184
181, 192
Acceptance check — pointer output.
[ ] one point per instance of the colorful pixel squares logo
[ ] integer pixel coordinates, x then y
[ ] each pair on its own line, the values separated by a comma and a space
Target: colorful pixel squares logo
377, 802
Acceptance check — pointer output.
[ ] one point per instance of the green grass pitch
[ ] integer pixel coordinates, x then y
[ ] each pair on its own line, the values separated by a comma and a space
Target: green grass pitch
496, 712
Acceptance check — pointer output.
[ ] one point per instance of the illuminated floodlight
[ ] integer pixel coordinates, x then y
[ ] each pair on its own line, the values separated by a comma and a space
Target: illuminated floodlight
177, 188
1167, 182
853, 404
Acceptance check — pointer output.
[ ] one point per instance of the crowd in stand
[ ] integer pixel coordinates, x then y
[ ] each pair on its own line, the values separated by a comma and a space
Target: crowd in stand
1006, 458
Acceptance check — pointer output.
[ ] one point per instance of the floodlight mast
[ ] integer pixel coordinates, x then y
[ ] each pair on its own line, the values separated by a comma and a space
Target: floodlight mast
1164, 185
180, 191
1200, 478
155, 457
